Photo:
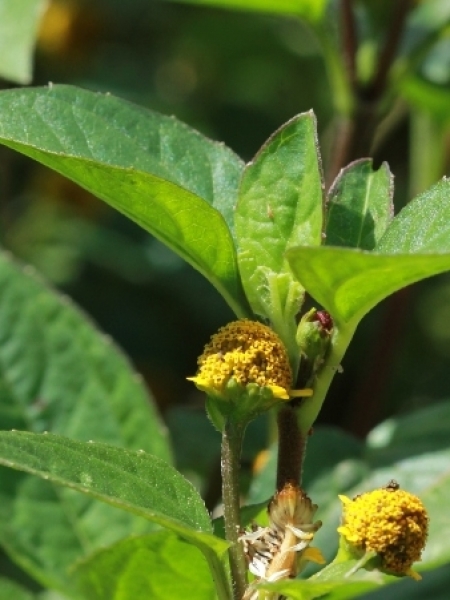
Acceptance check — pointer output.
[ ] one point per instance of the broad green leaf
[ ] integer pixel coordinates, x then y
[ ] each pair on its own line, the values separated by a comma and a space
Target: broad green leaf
135, 482
422, 226
420, 432
280, 200
11, 590
348, 282
312, 10
166, 177
280, 206
359, 205
156, 566
58, 373
19, 21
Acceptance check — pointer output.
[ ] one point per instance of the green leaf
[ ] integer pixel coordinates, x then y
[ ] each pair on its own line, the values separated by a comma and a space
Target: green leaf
11, 590
280, 206
308, 590
422, 226
359, 205
312, 10
58, 373
348, 283
136, 482
19, 22
280, 200
166, 177
156, 566
416, 245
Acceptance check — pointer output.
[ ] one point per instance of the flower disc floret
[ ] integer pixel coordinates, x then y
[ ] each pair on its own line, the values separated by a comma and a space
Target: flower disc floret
248, 352
389, 521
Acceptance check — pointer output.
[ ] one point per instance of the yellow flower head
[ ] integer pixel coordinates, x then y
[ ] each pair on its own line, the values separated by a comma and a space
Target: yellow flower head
390, 522
248, 352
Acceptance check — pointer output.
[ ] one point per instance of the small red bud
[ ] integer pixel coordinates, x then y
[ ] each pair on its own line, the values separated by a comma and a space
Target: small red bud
324, 319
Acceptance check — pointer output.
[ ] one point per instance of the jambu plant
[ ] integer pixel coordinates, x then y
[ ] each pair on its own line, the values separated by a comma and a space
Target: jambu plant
266, 235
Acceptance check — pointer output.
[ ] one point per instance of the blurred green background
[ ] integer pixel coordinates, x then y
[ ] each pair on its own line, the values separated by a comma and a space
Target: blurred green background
236, 77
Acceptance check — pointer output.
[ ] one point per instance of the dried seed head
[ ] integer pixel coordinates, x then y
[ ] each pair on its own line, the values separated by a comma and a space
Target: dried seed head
281, 550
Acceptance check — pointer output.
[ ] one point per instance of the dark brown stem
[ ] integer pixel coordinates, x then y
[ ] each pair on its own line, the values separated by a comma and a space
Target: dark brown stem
354, 135
231, 452
291, 448
387, 55
349, 40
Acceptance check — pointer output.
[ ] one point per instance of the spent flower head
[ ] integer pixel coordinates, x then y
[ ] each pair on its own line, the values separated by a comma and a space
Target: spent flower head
281, 550
389, 522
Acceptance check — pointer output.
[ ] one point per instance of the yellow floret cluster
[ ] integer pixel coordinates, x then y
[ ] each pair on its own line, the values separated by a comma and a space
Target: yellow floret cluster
391, 522
248, 352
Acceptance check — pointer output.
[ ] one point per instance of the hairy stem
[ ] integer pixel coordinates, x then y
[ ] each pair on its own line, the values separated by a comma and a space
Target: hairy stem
232, 437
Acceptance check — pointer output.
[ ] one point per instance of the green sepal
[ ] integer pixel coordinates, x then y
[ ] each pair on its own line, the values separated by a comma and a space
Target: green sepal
357, 557
239, 404
347, 551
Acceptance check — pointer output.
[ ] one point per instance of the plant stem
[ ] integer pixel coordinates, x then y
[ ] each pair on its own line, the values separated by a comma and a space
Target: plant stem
291, 448
310, 409
349, 40
355, 127
218, 573
378, 84
232, 437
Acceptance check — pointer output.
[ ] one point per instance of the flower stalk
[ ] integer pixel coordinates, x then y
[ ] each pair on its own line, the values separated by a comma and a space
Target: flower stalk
232, 437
